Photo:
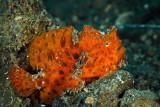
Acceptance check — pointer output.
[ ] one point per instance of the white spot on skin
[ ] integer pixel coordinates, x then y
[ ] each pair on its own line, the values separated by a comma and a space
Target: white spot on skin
106, 69
106, 44
56, 57
17, 70
43, 82
43, 74
38, 88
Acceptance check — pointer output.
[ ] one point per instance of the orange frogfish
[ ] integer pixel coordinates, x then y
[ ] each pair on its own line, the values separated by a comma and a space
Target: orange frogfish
64, 64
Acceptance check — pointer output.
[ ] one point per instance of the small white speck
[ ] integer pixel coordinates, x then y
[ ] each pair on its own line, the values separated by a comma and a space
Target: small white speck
120, 79
18, 18
106, 69
38, 88
43, 105
90, 100
133, 81
43, 74
146, 6
41, 69
56, 57
106, 44
17, 70
43, 82
6, 73
86, 90
102, 33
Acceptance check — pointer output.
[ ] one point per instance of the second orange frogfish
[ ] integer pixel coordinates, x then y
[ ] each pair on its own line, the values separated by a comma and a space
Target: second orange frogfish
66, 65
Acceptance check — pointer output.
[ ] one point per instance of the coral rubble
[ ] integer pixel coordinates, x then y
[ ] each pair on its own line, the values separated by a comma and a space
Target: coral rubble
105, 92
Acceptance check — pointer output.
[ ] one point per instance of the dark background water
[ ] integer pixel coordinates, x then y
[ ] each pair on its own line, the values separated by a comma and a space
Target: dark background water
97, 12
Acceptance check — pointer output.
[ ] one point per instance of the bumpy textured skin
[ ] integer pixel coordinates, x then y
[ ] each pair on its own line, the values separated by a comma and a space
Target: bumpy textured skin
104, 52
21, 81
55, 54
